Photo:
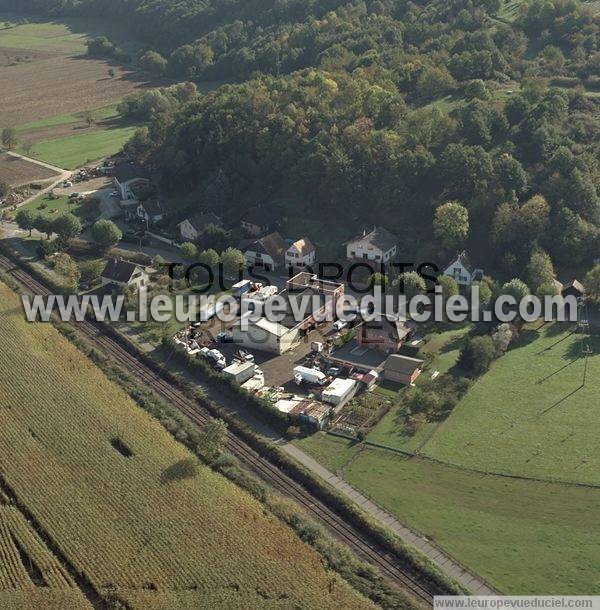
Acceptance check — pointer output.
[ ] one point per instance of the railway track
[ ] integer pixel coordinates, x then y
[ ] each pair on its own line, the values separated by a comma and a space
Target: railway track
390, 566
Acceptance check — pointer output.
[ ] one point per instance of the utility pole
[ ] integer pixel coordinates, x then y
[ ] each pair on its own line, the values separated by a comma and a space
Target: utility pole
586, 351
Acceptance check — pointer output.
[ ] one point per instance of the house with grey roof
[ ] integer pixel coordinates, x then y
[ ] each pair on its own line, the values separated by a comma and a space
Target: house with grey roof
402, 369
122, 273
377, 246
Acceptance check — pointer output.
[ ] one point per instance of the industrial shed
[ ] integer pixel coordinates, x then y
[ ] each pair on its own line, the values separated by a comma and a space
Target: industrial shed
265, 336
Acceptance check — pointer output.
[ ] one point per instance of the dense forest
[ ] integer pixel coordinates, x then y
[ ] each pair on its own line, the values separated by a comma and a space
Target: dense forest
452, 123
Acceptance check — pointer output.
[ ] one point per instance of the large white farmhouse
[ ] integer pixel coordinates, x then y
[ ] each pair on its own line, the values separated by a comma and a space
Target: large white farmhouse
378, 246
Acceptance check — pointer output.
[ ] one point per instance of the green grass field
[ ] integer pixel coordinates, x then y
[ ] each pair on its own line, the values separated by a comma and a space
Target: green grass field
77, 118
75, 151
524, 537
55, 207
529, 414
152, 526
67, 35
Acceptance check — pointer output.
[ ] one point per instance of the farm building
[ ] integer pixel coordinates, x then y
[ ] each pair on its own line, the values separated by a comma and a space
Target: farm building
340, 391
316, 414
118, 272
264, 335
307, 411
402, 369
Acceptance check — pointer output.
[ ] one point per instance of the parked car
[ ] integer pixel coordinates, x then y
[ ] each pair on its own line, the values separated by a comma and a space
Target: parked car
224, 338
67, 184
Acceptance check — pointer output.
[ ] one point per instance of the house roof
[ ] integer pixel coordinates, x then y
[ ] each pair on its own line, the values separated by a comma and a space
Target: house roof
271, 244
464, 260
403, 364
119, 270
260, 216
575, 285
152, 207
396, 327
201, 220
304, 246
379, 237
272, 328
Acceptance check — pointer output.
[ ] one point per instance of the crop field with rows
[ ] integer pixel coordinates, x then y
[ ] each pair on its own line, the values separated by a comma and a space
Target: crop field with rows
30, 575
127, 505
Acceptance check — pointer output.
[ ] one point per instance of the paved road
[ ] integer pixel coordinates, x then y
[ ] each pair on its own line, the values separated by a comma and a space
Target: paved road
446, 563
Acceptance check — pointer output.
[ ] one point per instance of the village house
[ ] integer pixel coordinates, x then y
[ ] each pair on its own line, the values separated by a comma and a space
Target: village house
124, 274
463, 271
266, 252
300, 254
192, 228
259, 221
386, 335
150, 211
402, 369
378, 246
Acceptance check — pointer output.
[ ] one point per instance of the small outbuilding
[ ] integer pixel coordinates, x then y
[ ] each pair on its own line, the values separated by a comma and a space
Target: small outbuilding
402, 369
340, 391
240, 372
